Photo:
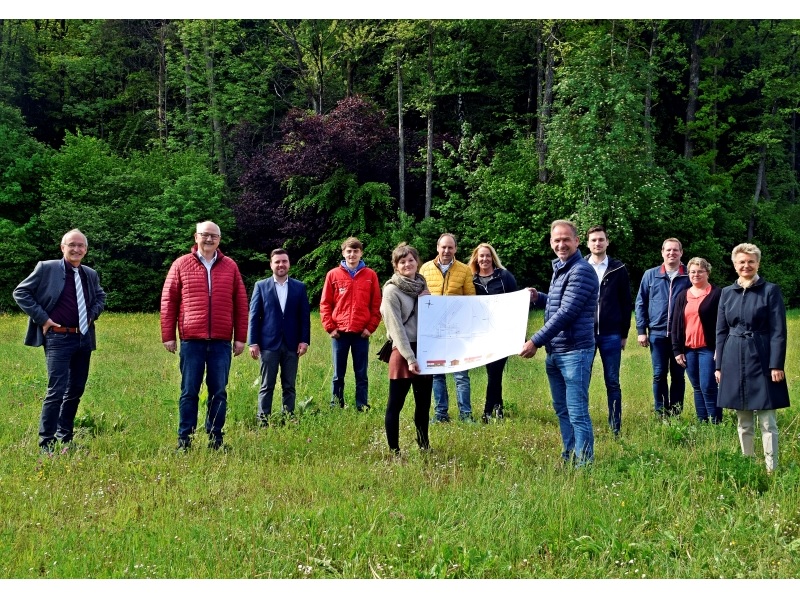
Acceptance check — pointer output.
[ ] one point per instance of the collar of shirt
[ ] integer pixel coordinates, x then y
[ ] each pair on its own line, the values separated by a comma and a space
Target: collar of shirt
599, 268
282, 289
208, 264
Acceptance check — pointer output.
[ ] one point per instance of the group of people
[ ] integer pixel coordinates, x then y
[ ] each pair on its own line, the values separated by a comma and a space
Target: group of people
731, 342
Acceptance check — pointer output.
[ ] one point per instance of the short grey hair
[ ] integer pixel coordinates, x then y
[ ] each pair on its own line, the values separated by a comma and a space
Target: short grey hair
564, 223
746, 248
700, 262
70, 232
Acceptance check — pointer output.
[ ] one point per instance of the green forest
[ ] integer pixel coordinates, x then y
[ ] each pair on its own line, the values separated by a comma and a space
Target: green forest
299, 133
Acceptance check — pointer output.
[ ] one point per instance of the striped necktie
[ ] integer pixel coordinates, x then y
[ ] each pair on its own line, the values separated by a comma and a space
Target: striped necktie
83, 323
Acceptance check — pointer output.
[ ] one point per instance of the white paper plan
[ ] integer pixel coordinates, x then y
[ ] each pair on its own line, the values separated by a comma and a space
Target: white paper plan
455, 333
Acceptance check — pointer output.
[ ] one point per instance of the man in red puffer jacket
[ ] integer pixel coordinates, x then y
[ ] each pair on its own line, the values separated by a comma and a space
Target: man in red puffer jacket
350, 309
204, 295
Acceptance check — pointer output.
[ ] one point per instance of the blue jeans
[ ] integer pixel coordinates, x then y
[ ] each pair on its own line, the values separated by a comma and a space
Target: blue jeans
214, 358
441, 398
700, 369
668, 399
569, 374
67, 356
286, 359
359, 346
610, 348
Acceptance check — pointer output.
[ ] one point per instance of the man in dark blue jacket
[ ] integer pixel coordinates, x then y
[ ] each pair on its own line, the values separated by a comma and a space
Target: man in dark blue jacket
280, 332
657, 292
612, 319
568, 338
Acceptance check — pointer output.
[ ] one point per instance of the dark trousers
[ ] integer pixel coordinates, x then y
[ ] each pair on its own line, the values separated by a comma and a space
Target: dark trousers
350, 343
286, 359
67, 356
398, 390
668, 397
610, 349
494, 385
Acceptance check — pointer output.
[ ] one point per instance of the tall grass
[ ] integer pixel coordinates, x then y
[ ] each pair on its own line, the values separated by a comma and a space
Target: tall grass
323, 498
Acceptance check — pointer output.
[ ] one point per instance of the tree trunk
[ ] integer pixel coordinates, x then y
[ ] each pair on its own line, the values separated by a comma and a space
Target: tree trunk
429, 162
187, 86
648, 98
793, 157
760, 177
350, 69
216, 127
162, 87
401, 171
698, 27
761, 182
545, 104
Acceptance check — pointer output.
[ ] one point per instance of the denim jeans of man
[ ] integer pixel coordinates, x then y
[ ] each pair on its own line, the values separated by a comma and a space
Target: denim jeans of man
212, 357
67, 356
610, 349
700, 369
441, 398
668, 396
286, 360
350, 343
569, 375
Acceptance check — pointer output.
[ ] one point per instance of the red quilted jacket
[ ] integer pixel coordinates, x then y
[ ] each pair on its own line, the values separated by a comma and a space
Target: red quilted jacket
185, 301
350, 303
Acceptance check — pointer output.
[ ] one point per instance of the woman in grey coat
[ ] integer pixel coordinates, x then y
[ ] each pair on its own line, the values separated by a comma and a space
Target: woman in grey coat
399, 312
751, 352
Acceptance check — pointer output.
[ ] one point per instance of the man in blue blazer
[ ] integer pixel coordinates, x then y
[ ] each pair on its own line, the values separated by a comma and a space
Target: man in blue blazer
280, 332
62, 300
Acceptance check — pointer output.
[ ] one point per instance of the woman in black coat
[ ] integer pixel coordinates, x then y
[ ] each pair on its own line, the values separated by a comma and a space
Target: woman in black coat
751, 352
490, 277
693, 335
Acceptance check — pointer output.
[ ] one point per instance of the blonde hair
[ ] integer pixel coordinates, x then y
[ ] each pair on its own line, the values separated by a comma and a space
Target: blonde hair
746, 248
700, 262
473, 261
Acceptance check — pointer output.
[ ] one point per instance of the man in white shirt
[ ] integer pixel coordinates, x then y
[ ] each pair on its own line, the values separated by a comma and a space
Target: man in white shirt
612, 318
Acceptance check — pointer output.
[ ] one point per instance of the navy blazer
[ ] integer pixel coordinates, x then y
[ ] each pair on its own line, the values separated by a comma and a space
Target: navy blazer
38, 294
269, 326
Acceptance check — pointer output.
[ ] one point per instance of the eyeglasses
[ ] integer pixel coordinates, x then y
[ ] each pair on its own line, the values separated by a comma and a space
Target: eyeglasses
74, 246
208, 236
698, 272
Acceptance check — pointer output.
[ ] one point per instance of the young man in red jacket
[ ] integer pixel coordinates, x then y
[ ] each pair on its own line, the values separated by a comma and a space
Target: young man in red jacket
350, 312
204, 296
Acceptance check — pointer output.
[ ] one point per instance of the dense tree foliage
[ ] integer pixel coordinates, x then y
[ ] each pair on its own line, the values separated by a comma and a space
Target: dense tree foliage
287, 133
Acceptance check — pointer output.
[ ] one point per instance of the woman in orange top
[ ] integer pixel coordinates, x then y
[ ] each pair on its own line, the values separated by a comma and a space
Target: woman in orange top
693, 334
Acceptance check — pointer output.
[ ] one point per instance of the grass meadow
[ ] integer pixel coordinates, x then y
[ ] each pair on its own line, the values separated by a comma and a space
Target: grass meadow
323, 498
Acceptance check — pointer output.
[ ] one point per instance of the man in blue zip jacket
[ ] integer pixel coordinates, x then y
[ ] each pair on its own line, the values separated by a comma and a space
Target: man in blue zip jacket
657, 292
568, 337
612, 320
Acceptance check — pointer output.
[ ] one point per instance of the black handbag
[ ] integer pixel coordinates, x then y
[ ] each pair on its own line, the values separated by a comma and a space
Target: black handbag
385, 352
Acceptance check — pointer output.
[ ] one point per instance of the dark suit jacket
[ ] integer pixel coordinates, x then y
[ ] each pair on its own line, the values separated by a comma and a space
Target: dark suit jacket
38, 294
269, 326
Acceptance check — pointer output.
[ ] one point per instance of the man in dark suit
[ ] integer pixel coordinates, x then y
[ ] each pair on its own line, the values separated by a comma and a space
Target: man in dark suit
280, 332
62, 300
